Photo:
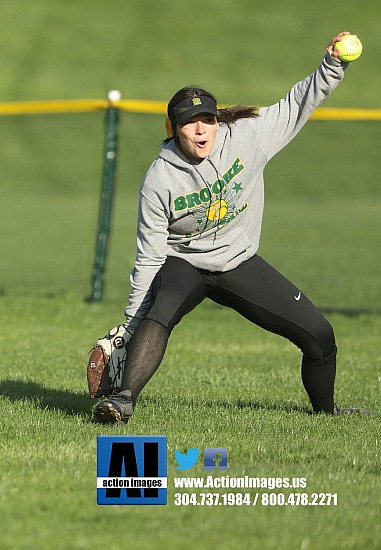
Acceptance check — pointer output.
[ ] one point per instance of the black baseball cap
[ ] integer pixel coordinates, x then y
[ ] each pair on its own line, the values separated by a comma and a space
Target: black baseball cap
192, 106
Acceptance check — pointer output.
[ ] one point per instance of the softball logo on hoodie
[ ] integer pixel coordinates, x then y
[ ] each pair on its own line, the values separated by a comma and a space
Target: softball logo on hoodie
215, 204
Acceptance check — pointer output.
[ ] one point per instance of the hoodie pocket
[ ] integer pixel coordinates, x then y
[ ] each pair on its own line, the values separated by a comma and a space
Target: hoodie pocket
221, 242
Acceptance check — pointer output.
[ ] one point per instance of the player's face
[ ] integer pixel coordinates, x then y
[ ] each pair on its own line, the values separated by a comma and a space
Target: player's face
197, 136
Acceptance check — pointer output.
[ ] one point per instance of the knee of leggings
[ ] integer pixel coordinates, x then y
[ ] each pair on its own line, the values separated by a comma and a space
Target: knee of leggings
321, 345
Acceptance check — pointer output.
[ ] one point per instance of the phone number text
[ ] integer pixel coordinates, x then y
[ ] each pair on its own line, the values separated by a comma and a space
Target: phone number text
255, 499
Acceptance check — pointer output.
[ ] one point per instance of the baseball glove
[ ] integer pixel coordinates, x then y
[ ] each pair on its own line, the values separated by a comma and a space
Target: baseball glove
105, 368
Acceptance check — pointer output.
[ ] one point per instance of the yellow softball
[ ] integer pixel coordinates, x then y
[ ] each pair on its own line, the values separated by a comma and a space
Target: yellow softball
350, 48
217, 211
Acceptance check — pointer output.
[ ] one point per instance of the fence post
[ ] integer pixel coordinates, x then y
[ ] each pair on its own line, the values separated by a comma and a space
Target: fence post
108, 184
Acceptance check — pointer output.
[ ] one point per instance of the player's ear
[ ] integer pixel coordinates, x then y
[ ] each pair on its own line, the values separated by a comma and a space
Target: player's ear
168, 128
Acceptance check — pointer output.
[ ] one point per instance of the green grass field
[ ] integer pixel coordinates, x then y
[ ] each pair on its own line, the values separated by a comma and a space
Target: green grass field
223, 382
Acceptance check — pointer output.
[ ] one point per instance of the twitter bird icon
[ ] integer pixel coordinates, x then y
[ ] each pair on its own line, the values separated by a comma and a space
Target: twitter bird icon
186, 460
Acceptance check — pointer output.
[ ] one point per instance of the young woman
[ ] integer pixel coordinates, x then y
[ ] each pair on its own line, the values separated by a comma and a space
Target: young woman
199, 225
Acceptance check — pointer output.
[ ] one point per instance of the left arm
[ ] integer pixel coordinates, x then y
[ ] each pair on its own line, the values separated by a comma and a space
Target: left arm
280, 123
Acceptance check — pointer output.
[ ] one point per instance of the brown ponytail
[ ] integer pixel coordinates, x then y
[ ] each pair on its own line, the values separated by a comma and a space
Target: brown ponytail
229, 115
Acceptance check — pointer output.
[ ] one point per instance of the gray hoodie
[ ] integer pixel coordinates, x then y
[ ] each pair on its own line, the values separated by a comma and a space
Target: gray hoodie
210, 213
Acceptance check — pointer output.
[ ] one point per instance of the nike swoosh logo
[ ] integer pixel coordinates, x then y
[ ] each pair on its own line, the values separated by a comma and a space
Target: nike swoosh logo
297, 298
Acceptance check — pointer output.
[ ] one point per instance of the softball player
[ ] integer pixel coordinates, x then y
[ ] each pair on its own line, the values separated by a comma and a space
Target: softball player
199, 224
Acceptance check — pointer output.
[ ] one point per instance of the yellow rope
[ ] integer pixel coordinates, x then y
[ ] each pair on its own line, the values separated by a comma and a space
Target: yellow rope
81, 105
153, 107
52, 106
325, 113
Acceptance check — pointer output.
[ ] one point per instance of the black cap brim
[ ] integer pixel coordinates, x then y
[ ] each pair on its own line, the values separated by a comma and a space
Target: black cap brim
186, 109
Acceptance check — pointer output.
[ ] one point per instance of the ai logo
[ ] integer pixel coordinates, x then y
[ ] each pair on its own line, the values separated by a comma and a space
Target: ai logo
131, 470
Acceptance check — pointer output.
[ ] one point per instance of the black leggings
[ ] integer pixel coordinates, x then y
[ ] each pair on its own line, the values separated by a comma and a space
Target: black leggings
262, 295
255, 290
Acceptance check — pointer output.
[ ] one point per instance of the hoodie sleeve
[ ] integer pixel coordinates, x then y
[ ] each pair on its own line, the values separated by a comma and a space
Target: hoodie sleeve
152, 234
280, 123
